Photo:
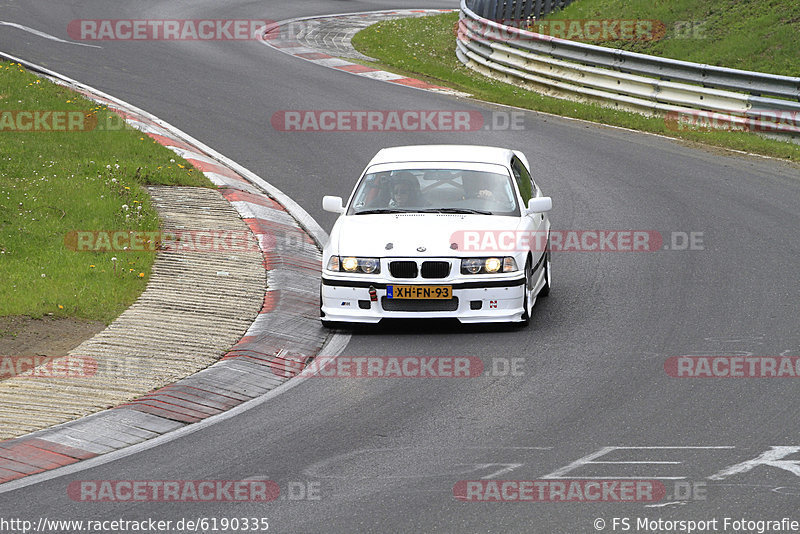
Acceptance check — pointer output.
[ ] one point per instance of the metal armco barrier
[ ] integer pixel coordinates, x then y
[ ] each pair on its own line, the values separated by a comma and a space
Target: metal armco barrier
516, 9
617, 78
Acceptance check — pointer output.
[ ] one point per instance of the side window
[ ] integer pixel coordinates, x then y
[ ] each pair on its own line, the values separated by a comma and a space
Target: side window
523, 178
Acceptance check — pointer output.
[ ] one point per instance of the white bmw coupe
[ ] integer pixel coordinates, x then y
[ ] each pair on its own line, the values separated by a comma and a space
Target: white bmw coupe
438, 231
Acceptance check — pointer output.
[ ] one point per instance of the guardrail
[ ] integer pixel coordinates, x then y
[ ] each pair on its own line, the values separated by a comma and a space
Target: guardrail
516, 9
757, 101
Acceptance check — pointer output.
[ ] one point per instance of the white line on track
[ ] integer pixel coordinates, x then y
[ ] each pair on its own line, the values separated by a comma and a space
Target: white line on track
43, 34
334, 347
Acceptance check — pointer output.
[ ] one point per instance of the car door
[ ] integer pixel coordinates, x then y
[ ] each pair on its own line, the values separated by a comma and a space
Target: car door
536, 223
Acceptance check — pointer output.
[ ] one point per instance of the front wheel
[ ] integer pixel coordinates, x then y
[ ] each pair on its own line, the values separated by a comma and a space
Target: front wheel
325, 323
527, 296
546, 287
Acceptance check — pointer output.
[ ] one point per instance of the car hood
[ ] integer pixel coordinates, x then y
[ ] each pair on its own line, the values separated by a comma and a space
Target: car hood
368, 235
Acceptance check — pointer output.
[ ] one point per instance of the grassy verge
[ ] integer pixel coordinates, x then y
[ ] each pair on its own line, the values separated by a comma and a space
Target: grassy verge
425, 48
56, 181
755, 35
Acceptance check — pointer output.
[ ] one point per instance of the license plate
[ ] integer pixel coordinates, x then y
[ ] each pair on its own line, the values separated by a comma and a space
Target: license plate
419, 292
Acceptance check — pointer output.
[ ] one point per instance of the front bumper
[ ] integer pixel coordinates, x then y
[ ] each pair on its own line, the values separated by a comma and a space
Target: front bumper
500, 298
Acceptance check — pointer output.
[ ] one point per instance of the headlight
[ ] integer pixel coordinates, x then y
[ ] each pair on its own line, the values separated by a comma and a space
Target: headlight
472, 265
369, 265
488, 265
352, 264
492, 265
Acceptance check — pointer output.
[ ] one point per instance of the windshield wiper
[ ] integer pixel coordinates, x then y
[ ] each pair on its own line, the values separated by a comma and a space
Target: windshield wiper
384, 210
457, 210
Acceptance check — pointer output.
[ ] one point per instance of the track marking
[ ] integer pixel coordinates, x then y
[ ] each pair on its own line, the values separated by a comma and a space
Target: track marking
333, 348
43, 34
507, 468
663, 504
590, 460
772, 458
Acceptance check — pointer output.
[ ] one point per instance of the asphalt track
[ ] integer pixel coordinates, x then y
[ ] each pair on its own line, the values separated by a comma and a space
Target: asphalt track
386, 453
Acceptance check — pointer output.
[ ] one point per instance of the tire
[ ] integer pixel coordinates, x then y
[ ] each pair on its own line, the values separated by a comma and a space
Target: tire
325, 323
546, 287
526, 316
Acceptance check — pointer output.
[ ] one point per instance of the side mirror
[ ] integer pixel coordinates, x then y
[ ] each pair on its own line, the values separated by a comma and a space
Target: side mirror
540, 204
332, 204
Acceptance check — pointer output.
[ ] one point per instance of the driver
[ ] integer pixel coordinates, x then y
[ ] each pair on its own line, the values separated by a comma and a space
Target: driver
405, 190
478, 185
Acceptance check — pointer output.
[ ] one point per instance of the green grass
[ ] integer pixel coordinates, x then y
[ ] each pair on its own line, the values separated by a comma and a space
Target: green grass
424, 47
758, 35
55, 182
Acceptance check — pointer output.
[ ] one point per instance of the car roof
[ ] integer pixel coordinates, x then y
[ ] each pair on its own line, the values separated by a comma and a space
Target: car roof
459, 153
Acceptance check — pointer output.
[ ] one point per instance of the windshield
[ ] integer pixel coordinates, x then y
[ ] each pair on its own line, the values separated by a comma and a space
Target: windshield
435, 191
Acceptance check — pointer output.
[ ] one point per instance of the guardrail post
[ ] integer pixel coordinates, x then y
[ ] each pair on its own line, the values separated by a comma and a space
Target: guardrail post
528, 9
492, 10
518, 11
505, 10
486, 7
